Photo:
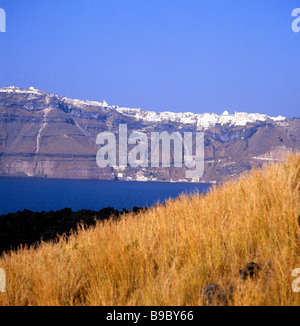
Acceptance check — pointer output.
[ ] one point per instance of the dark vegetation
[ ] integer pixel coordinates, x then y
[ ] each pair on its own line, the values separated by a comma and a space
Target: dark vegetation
29, 228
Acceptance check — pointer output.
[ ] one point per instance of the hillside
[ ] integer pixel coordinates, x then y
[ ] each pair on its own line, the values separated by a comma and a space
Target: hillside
44, 135
243, 237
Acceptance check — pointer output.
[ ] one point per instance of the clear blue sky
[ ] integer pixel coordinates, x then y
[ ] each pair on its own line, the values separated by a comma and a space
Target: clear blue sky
177, 55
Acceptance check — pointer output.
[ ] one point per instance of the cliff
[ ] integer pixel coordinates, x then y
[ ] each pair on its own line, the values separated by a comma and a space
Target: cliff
44, 135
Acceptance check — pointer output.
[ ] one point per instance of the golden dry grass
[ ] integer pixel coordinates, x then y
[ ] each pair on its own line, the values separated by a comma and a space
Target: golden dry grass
166, 255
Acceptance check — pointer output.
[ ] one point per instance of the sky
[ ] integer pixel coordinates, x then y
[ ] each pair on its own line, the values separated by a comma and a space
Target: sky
163, 55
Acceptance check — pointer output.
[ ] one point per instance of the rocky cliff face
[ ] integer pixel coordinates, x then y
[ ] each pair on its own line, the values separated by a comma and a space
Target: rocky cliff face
43, 135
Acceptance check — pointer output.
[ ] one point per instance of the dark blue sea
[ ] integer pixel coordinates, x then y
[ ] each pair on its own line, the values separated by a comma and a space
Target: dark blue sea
51, 194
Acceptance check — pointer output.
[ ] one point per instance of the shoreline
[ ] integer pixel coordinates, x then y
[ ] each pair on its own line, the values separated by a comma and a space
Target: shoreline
106, 180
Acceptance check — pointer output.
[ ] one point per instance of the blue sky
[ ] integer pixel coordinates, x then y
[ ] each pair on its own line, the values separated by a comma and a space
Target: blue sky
176, 55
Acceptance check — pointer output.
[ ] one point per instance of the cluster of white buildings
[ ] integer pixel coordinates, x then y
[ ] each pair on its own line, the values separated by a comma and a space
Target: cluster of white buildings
202, 120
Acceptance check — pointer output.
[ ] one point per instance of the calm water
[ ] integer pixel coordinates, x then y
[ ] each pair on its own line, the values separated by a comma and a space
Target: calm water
50, 194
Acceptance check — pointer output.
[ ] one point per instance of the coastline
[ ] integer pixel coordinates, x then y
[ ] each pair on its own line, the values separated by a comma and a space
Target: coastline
11, 176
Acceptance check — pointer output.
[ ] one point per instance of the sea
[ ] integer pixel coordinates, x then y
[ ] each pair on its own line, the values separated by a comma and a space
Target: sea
42, 194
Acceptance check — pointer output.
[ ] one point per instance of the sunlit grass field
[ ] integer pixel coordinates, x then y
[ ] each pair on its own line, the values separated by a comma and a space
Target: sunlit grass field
167, 255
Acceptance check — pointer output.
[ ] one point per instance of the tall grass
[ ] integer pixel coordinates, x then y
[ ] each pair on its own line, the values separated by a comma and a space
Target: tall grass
165, 256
